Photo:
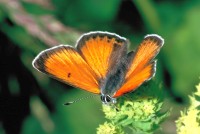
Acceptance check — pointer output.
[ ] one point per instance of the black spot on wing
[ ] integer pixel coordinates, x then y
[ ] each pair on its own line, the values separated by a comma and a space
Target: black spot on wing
69, 75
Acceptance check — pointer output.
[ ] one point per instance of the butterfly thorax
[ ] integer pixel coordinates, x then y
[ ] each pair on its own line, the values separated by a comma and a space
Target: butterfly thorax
112, 84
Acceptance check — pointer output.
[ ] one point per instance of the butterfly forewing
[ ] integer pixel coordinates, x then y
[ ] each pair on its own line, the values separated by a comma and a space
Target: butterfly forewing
102, 51
145, 53
65, 64
142, 67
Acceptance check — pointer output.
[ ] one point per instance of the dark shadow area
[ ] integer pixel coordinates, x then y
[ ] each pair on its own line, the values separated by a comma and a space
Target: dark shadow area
14, 100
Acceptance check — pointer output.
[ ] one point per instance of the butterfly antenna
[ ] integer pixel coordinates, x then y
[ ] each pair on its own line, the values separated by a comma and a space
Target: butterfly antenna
116, 108
77, 100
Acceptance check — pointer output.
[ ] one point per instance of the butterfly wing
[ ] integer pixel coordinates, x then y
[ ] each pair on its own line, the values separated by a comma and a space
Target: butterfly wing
102, 51
65, 64
141, 67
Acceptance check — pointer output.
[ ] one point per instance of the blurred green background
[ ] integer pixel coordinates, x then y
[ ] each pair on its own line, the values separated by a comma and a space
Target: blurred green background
31, 102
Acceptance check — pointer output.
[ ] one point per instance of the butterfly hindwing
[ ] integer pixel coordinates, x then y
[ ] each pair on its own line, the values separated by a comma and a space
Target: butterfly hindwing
65, 64
142, 67
136, 80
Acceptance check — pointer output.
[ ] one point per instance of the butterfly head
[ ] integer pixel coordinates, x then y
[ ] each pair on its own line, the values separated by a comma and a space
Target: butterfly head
107, 99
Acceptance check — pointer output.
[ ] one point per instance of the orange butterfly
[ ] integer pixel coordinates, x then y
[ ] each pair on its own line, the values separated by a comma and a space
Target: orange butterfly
100, 64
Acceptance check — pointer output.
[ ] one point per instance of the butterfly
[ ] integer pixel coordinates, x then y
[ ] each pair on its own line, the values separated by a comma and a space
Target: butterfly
101, 64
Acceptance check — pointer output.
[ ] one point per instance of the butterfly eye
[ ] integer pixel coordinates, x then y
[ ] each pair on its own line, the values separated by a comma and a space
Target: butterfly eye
106, 99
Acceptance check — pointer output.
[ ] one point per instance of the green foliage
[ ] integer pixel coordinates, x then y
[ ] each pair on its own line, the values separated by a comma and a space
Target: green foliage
189, 122
182, 45
90, 12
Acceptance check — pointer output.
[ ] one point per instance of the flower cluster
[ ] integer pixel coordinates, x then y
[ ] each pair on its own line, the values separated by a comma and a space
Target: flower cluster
138, 115
189, 122
109, 128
